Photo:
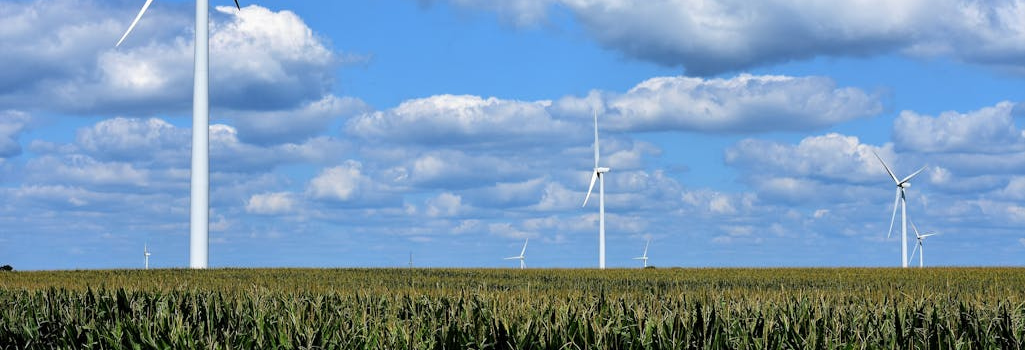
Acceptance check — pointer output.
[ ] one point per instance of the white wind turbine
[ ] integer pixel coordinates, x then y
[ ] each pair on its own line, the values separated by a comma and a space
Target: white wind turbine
145, 252
199, 239
597, 175
522, 256
919, 247
900, 198
644, 257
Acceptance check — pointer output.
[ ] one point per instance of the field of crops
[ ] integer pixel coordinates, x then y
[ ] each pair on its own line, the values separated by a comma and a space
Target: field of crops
514, 309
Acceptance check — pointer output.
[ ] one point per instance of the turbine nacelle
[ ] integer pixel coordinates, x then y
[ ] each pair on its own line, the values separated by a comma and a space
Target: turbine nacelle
601, 170
904, 184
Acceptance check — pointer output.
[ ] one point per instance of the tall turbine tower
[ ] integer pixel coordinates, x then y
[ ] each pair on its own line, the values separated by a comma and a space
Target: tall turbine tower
145, 252
900, 198
644, 257
522, 257
199, 238
597, 175
919, 247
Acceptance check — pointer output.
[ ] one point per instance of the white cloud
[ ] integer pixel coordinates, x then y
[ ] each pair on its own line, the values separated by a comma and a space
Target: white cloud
271, 203
832, 157
80, 169
339, 183
310, 119
712, 37
65, 60
156, 143
444, 205
721, 205
134, 139
509, 194
744, 103
555, 196
987, 130
457, 169
453, 121
12, 124
1015, 188
509, 231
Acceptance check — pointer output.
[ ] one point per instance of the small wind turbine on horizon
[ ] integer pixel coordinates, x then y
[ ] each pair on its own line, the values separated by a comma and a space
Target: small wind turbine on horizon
145, 252
199, 238
597, 175
919, 247
522, 257
644, 257
901, 198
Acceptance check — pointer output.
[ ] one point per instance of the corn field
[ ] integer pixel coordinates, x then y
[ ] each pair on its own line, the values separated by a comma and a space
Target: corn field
953, 308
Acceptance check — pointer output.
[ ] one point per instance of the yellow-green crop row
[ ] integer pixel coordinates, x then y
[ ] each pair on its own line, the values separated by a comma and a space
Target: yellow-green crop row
512, 309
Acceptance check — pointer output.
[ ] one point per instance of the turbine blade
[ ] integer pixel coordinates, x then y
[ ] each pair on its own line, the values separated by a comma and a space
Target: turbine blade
596, 138
913, 251
594, 177
915, 228
524, 251
896, 201
236, 5
136, 21
646, 248
886, 167
906, 179
929, 234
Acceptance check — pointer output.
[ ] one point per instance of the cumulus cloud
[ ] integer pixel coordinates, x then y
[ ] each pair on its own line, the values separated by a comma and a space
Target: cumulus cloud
272, 127
745, 103
445, 204
65, 59
987, 130
453, 121
12, 124
158, 143
80, 169
131, 139
709, 38
741, 104
271, 203
347, 185
341, 183
453, 169
832, 157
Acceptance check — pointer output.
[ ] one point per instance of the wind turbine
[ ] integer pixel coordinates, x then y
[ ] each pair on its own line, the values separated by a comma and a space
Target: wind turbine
597, 175
522, 256
901, 198
199, 238
145, 252
919, 247
644, 257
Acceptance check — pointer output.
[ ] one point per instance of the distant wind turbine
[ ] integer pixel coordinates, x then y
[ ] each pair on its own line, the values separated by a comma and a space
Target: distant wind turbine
145, 252
900, 198
522, 256
199, 238
919, 247
597, 175
644, 257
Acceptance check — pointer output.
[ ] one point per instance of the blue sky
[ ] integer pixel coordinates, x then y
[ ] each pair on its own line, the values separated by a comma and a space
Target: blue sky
353, 133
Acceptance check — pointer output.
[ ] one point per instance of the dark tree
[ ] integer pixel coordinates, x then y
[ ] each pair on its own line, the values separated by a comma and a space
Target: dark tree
6, 268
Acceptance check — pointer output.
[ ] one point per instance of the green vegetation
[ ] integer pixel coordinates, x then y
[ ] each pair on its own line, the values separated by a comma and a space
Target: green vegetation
514, 309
